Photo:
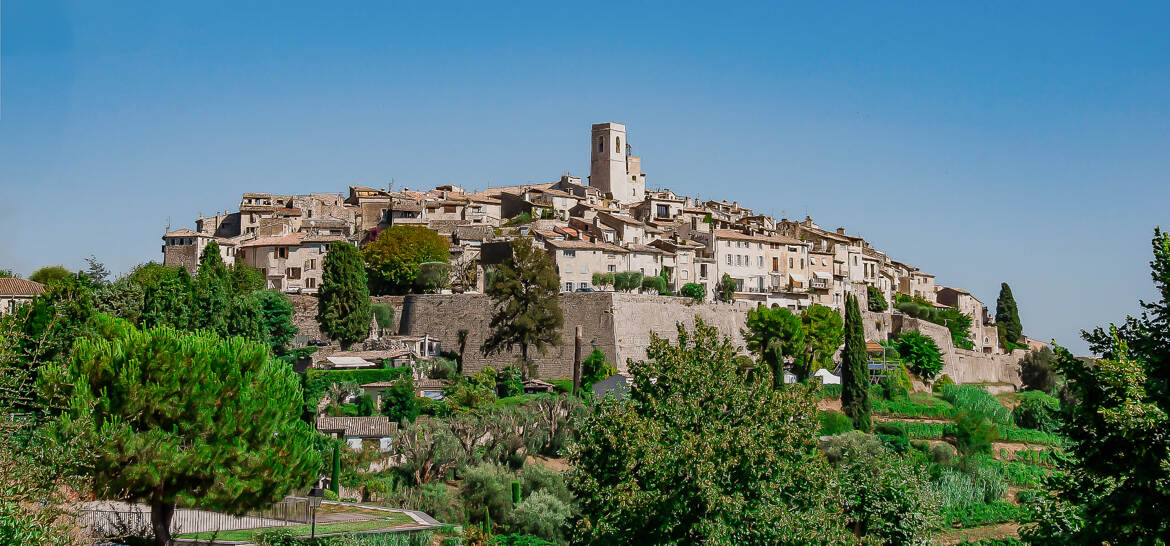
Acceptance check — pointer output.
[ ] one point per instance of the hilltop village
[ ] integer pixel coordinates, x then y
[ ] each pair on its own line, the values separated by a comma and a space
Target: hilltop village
608, 224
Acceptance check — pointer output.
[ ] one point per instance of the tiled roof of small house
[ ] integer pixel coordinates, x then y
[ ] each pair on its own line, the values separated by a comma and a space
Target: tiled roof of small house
11, 286
291, 239
364, 427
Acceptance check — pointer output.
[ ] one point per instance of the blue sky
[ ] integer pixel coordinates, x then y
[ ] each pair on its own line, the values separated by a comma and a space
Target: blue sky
987, 143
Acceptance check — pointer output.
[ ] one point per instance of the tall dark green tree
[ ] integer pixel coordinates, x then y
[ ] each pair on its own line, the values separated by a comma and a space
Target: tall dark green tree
855, 369
876, 300
168, 299
276, 316
185, 415
1115, 486
212, 297
393, 260
1007, 316
526, 294
343, 304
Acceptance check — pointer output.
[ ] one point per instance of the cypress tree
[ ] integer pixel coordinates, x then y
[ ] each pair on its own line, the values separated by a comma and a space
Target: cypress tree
335, 477
1007, 316
212, 294
343, 305
855, 369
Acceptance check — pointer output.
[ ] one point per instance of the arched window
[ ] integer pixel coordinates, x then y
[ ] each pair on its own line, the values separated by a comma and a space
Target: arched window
618, 147
601, 144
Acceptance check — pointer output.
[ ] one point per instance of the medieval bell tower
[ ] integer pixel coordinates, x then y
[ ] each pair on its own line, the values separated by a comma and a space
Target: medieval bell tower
611, 169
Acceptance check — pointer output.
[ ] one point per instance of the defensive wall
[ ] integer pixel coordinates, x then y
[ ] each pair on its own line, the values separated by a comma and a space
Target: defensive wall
620, 325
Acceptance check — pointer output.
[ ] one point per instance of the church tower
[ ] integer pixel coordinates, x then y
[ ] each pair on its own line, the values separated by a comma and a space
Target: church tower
611, 169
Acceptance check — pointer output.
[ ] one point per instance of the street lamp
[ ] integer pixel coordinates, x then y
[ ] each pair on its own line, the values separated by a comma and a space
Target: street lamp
315, 496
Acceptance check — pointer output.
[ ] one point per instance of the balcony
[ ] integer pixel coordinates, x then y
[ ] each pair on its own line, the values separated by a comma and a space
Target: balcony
819, 284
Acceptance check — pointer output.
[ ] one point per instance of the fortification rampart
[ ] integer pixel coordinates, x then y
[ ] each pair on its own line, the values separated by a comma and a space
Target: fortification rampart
620, 325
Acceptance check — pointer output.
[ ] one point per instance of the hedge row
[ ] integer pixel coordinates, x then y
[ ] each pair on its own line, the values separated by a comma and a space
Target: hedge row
317, 382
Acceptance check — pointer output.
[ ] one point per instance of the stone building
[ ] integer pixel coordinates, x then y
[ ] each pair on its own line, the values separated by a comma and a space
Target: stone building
611, 169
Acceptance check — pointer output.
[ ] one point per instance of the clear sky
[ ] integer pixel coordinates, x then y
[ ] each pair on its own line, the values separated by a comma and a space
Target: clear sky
998, 142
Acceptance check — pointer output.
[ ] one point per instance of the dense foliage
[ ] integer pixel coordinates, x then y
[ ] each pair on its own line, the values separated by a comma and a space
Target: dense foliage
774, 334
1036, 370
393, 259
184, 416
526, 293
721, 459
920, 353
694, 291
49, 274
1114, 485
725, 289
343, 302
875, 300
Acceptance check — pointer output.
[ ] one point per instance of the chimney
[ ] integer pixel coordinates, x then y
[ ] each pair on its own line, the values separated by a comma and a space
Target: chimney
841, 230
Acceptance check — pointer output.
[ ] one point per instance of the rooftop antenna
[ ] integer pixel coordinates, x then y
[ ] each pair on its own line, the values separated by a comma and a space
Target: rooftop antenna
168, 223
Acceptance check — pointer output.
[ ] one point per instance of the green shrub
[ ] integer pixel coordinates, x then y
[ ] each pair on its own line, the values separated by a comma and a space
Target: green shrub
443, 368
834, 423
519, 540
694, 291
522, 218
876, 300
1038, 411
542, 515
365, 405
974, 433
896, 384
537, 477
981, 484
943, 381
656, 284
488, 486
855, 443
977, 515
942, 454
510, 382
906, 408
383, 315
330, 495
920, 353
831, 392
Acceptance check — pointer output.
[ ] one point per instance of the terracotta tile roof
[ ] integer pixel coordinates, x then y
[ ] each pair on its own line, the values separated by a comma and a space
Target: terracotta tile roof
20, 287
292, 239
736, 235
181, 232
365, 427
583, 245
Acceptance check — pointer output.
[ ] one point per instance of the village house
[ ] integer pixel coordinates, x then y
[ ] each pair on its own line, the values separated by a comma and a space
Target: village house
576, 261
15, 292
360, 433
983, 332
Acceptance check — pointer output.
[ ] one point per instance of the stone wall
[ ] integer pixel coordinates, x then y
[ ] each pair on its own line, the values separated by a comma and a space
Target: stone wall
620, 325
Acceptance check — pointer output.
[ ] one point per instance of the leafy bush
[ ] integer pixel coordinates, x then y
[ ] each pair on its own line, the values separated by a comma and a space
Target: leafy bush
896, 384
906, 408
856, 444
942, 454
834, 423
1038, 411
943, 381
974, 433
920, 353
981, 484
976, 515
1036, 370
330, 495
489, 486
443, 368
893, 436
831, 392
694, 291
400, 401
510, 382
542, 515
657, 284
876, 300
522, 218
537, 477
975, 399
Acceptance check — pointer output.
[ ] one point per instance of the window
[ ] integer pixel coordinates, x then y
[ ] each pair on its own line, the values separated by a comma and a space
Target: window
310, 283
729, 259
775, 263
618, 147
611, 268
759, 261
684, 274
448, 208
824, 261
568, 268
802, 263
855, 260
583, 285
282, 252
601, 144
702, 271
312, 264
569, 253
738, 259
568, 287
293, 273
790, 263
